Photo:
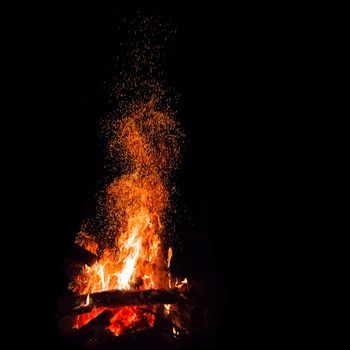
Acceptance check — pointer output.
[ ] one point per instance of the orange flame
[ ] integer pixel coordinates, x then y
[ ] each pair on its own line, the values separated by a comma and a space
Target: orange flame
147, 140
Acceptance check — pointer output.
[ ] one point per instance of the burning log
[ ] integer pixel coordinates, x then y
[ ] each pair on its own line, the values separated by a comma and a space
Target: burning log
78, 304
78, 257
82, 256
96, 328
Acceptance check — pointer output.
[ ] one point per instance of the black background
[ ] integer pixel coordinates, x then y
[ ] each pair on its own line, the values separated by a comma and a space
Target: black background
221, 65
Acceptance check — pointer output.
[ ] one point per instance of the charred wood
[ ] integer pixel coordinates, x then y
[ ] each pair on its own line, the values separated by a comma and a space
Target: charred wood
78, 304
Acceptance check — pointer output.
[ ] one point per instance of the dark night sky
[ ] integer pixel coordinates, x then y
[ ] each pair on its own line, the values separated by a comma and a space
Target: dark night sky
218, 65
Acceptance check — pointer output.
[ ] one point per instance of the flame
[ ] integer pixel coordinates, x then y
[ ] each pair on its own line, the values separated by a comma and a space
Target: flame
170, 254
167, 308
135, 204
180, 284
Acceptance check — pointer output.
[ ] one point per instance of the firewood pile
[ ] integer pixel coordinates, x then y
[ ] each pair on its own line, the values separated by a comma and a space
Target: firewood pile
184, 303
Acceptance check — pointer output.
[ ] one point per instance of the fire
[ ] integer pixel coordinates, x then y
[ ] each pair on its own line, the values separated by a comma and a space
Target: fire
135, 205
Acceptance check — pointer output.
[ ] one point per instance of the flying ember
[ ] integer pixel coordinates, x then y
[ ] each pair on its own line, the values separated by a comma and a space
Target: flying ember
135, 204
126, 279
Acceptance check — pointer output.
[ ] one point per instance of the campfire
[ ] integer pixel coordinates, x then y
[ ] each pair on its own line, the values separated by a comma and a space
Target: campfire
121, 280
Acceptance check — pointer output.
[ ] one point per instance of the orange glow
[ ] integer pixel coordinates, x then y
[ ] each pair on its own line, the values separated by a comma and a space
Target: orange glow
135, 203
